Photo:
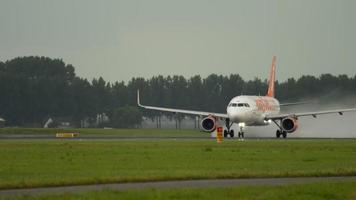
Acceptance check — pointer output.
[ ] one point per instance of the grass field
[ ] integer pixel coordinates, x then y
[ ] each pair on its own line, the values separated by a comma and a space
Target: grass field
106, 132
68, 162
321, 191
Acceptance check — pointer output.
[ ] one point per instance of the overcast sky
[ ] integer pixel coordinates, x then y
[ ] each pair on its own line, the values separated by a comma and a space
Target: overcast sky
119, 40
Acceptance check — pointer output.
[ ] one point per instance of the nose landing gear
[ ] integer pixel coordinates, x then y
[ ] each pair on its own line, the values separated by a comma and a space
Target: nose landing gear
241, 132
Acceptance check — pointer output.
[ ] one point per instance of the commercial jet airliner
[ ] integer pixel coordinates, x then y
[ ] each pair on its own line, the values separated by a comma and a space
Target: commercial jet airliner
251, 111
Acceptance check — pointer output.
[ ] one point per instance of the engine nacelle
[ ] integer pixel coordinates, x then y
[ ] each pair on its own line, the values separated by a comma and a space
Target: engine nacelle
289, 124
208, 124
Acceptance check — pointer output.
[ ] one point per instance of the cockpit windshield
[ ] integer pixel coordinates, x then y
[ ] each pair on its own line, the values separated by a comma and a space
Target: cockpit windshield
239, 105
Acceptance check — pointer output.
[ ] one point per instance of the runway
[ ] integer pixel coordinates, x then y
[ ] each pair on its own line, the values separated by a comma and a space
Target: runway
215, 183
100, 137
27, 137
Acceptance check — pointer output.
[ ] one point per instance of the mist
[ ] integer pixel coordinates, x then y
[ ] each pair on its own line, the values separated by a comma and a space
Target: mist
323, 126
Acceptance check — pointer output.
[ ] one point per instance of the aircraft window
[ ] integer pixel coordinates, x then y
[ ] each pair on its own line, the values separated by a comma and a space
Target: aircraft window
240, 105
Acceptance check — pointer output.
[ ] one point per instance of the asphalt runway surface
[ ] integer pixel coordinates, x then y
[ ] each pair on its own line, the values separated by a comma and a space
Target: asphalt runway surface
214, 183
100, 137
35, 137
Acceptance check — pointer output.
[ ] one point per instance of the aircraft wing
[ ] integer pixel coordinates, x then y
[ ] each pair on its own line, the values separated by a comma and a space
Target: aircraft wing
173, 110
313, 114
294, 103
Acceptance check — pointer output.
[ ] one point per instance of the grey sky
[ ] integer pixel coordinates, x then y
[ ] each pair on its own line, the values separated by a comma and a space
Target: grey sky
119, 40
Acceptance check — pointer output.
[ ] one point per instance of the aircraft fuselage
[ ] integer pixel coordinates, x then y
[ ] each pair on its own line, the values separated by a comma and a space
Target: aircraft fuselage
252, 110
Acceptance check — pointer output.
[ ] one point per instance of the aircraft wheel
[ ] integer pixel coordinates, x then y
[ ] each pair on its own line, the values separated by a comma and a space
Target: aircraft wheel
232, 133
284, 134
225, 133
278, 133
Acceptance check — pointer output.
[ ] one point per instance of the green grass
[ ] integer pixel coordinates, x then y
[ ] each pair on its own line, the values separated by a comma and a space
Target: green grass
320, 191
67, 162
105, 132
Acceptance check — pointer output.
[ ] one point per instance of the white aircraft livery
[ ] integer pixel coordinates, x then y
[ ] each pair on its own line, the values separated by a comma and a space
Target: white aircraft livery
251, 111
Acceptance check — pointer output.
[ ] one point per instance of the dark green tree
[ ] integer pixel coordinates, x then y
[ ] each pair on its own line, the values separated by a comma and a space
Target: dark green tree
34, 88
126, 117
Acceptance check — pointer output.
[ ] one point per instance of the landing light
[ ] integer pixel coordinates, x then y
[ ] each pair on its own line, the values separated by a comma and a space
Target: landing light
268, 121
242, 125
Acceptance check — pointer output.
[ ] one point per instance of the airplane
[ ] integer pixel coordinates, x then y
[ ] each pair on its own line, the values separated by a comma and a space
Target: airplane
251, 111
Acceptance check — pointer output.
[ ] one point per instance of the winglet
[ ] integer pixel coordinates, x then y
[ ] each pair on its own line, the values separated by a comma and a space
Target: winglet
272, 78
138, 98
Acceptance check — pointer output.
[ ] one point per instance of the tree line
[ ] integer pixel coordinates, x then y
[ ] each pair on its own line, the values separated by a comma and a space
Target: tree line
36, 88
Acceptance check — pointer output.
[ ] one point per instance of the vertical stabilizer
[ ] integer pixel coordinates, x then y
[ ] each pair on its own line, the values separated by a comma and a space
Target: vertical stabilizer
272, 78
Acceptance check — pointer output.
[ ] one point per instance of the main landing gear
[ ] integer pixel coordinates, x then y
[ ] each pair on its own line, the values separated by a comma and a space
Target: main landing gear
228, 132
280, 132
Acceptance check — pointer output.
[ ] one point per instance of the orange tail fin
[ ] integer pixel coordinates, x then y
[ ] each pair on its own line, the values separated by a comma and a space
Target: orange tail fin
272, 78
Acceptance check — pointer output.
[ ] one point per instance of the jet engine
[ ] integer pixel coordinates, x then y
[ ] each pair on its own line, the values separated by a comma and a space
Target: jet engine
208, 124
289, 124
